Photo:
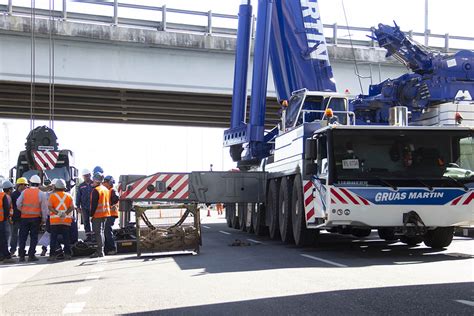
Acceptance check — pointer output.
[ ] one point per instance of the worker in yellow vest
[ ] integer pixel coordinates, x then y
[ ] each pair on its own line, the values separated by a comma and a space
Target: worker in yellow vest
30, 203
6, 211
109, 246
61, 206
100, 210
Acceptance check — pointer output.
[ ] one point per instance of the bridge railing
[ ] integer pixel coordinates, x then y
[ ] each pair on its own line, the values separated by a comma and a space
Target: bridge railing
209, 23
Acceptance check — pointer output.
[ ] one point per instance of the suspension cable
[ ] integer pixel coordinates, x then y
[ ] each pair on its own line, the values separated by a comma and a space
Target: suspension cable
51, 64
33, 70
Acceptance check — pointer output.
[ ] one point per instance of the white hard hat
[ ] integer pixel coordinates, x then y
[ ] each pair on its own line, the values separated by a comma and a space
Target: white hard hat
85, 172
35, 179
53, 182
60, 184
7, 185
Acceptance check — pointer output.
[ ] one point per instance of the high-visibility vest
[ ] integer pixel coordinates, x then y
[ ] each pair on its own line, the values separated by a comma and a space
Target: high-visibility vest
2, 215
103, 205
60, 201
31, 207
114, 209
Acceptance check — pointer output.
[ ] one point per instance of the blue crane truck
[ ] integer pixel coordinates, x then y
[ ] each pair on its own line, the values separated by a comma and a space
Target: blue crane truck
398, 160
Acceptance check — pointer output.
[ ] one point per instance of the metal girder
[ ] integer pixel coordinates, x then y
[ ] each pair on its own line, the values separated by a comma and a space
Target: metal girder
118, 105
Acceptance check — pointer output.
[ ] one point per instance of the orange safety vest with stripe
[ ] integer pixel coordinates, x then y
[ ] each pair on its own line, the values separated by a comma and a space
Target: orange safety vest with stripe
60, 201
2, 213
31, 207
103, 205
114, 209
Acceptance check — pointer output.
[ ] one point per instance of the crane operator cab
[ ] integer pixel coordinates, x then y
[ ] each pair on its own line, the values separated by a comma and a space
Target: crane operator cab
310, 106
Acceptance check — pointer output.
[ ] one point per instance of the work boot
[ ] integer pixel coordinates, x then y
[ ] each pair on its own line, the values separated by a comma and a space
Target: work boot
22, 259
32, 258
111, 253
43, 251
8, 260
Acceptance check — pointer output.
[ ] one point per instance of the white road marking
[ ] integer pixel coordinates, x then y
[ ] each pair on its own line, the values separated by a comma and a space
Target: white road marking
255, 241
223, 232
325, 261
83, 290
470, 303
98, 269
74, 308
92, 277
206, 226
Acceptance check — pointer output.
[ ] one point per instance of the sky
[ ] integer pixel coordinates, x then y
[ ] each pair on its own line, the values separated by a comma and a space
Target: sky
133, 149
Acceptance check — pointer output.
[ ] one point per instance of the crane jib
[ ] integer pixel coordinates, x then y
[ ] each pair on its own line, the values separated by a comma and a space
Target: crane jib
314, 30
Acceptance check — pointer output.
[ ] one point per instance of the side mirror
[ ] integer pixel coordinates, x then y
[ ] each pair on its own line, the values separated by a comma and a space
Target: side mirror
311, 149
310, 168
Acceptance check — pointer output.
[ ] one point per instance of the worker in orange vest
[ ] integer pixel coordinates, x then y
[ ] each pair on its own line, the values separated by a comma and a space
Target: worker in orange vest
100, 210
109, 246
30, 203
61, 206
6, 212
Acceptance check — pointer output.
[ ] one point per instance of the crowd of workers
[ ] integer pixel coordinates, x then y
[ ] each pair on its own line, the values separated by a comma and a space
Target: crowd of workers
30, 205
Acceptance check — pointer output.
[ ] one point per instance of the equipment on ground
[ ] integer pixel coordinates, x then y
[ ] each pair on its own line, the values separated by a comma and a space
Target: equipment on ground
44, 159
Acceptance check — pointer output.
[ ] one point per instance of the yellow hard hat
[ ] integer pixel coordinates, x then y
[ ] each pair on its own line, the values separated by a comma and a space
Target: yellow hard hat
21, 180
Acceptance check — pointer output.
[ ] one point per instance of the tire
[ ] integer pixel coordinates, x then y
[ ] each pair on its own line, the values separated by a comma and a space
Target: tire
411, 240
440, 237
387, 234
272, 209
258, 220
242, 216
229, 210
284, 207
361, 232
301, 235
235, 217
250, 208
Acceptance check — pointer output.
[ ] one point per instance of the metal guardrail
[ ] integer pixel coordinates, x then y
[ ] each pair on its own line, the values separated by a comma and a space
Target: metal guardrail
209, 29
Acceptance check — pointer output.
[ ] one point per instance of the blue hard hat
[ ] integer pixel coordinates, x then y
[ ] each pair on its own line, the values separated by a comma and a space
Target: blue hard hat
97, 169
109, 179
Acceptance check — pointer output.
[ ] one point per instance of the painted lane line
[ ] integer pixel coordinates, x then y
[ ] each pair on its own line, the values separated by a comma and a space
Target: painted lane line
83, 290
470, 303
255, 241
74, 308
325, 261
92, 277
206, 226
223, 232
98, 269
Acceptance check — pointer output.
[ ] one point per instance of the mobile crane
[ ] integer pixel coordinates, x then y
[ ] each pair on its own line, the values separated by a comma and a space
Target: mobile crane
43, 157
320, 168
344, 177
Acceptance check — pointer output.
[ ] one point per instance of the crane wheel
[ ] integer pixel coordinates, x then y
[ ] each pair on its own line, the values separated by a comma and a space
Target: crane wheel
243, 216
284, 214
302, 236
258, 220
439, 237
272, 209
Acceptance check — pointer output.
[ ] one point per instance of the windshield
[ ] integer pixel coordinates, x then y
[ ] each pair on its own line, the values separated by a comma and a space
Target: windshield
405, 155
293, 109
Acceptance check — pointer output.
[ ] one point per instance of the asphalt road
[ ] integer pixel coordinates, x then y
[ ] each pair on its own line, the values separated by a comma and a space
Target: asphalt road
341, 275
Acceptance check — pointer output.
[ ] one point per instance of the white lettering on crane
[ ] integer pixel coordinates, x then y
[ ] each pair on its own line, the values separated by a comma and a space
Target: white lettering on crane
400, 196
314, 30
